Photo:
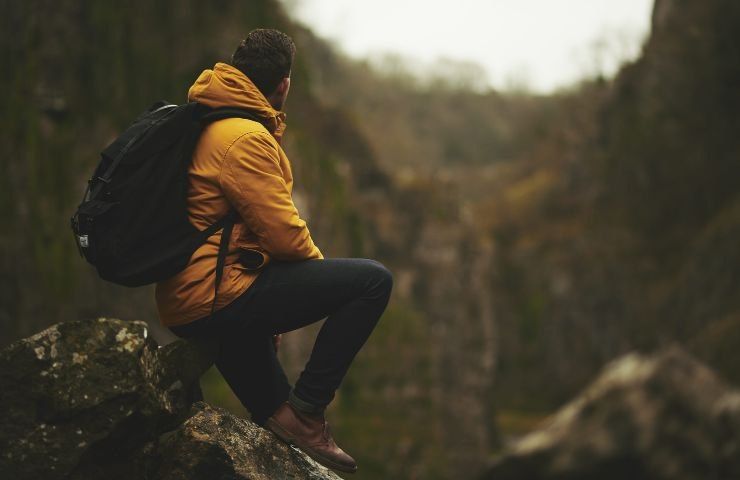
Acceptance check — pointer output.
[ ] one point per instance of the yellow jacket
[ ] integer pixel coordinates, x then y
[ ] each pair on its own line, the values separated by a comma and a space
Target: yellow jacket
238, 163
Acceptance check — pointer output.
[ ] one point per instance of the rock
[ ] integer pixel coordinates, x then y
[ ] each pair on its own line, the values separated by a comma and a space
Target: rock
100, 399
664, 416
212, 443
70, 387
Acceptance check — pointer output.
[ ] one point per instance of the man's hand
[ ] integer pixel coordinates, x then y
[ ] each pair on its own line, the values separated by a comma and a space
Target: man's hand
276, 339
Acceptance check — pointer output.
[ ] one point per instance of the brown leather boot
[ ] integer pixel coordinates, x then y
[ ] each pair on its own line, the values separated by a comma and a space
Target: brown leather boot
311, 434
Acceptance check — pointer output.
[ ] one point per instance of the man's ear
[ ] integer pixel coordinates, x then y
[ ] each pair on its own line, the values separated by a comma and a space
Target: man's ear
277, 99
282, 87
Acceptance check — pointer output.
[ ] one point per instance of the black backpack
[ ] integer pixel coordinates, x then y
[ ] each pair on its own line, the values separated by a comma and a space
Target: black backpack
132, 224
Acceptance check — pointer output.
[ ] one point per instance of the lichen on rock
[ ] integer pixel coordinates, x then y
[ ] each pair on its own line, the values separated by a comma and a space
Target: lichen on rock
100, 399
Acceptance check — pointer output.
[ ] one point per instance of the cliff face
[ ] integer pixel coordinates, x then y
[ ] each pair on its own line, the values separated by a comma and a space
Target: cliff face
670, 169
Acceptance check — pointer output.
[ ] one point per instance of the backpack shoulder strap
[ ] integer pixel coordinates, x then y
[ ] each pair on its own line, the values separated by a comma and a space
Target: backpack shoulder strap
227, 223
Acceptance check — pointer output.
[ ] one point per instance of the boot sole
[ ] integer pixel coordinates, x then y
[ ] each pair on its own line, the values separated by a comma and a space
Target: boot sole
285, 436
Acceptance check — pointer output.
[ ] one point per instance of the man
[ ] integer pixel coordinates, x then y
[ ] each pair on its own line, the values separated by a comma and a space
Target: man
238, 164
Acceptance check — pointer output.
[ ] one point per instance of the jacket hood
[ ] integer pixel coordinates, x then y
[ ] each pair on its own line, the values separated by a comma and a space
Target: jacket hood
226, 85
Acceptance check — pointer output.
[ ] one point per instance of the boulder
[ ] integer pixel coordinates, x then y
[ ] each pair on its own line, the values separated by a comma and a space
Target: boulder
213, 443
658, 417
100, 399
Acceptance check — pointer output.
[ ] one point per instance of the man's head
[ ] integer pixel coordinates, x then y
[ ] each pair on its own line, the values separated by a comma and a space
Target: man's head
266, 57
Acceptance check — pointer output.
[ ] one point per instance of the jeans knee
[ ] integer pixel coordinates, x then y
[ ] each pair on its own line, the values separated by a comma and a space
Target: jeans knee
382, 276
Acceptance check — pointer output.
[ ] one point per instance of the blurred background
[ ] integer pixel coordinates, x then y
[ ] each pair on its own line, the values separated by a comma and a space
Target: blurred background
553, 184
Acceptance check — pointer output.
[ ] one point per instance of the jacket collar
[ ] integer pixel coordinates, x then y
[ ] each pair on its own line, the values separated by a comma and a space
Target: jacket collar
225, 85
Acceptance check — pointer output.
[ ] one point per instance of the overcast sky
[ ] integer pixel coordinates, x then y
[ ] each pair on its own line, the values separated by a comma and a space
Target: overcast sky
544, 44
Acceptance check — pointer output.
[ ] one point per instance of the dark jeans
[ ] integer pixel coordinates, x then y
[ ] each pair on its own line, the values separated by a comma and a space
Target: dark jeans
351, 293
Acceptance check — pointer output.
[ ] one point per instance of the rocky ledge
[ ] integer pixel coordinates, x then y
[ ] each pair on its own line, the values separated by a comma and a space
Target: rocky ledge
100, 399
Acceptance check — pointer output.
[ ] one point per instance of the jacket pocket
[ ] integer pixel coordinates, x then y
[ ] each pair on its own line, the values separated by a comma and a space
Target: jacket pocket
252, 259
